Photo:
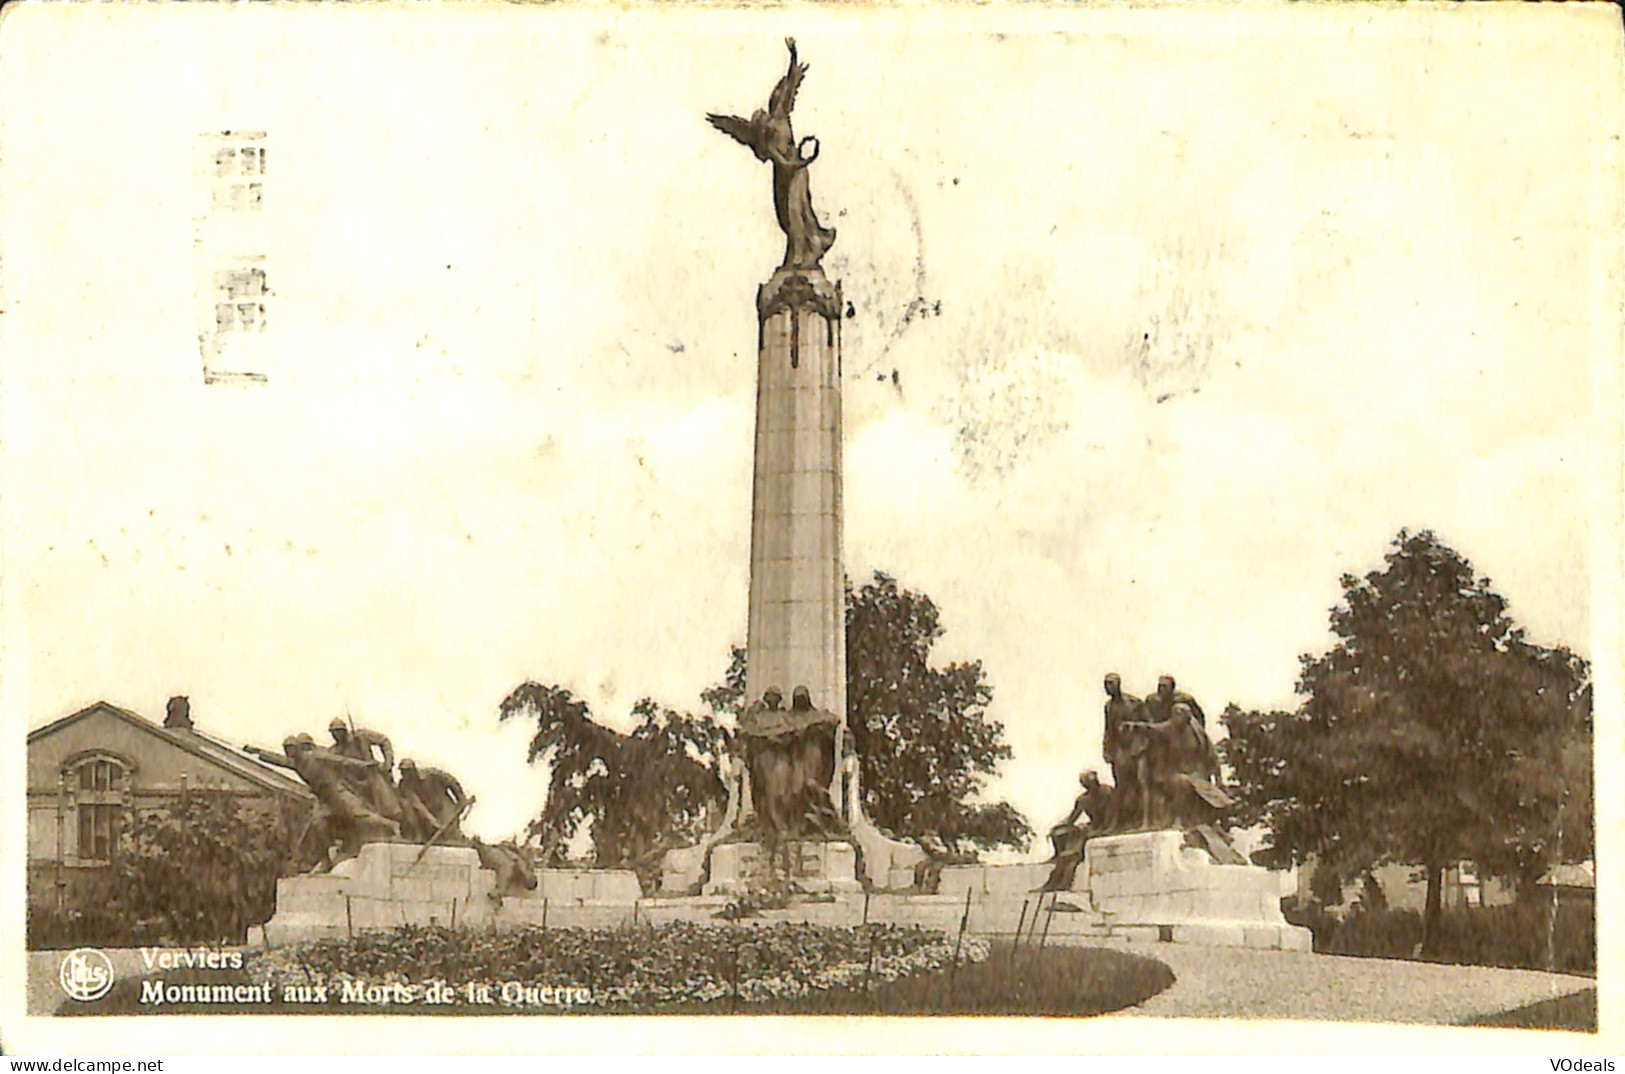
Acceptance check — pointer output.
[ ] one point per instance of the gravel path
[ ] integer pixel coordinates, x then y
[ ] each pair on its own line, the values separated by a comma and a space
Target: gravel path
1228, 982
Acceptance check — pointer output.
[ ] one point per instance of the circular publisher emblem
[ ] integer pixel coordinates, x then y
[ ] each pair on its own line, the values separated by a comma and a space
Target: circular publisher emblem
86, 974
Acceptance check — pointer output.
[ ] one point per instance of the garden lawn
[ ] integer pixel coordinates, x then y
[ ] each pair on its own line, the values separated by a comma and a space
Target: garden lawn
1576, 1012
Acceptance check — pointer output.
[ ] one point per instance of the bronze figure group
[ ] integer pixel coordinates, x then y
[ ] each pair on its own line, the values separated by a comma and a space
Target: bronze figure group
359, 799
790, 757
1164, 776
1164, 768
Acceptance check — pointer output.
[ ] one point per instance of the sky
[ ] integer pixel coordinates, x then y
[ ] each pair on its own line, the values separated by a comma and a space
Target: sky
1161, 323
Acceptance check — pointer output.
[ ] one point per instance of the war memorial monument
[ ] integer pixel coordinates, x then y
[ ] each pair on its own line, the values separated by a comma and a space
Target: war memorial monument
1120, 363
1144, 859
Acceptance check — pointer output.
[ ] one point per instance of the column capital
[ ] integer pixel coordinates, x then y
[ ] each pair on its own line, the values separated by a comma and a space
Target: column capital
799, 288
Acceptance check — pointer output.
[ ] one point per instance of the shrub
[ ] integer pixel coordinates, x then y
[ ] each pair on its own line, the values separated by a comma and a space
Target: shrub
197, 870
203, 868
1523, 935
96, 914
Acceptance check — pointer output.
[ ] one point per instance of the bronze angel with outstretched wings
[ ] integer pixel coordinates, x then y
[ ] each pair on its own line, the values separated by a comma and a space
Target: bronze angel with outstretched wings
769, 135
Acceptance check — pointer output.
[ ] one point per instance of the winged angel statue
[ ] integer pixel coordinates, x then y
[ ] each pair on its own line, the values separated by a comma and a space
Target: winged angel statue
768, 134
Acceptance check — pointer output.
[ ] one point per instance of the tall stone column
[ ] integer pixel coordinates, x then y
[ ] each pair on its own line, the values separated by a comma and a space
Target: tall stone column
793, 724
797, 631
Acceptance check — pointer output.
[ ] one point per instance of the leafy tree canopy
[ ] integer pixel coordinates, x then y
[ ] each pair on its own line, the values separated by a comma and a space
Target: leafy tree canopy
926, 742
1432, 732
644, 792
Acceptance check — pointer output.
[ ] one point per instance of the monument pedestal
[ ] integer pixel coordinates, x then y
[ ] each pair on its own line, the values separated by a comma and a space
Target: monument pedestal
1151, 885
682, 870
888, 864
385, 886
813, 867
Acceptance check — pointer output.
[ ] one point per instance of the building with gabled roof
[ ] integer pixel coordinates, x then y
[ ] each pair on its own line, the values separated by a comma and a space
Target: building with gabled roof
91, 769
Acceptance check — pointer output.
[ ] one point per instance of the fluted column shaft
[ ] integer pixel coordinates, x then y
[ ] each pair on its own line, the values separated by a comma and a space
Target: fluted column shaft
797, 632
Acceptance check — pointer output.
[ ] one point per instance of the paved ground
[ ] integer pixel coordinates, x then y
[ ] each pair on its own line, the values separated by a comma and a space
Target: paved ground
1224, 982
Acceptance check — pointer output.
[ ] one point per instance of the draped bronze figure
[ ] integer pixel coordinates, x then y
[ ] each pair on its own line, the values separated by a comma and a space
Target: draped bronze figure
769, 135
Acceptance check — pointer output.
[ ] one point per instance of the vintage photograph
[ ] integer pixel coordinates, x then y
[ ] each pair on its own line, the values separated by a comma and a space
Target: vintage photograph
1096, 516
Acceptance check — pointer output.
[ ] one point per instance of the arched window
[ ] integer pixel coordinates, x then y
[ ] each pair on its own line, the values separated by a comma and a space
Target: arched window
98, 784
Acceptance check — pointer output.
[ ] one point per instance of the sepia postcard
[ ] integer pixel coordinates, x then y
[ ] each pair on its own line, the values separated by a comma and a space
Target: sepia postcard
810, 528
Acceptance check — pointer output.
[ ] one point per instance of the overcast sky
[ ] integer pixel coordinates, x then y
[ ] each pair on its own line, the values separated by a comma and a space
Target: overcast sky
1226, 299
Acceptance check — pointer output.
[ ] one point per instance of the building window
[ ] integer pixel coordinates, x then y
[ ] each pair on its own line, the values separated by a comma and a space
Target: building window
97, 776
98, 831
97, 786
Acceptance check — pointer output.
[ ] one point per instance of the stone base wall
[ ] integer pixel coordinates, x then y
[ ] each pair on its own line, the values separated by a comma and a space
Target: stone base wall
1144, 887
888, 864
389, 885
814, 867
584, 886
385, 886
1015, 880
986, 917
1151, 885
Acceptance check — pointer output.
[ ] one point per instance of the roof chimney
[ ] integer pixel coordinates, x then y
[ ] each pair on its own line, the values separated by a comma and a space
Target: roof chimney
178, 717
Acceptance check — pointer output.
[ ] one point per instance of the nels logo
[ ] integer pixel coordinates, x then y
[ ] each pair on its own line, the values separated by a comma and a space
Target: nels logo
86, 974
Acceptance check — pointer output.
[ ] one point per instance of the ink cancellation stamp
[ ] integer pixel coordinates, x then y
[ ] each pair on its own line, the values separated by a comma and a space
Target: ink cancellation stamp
1075, 514
229, 240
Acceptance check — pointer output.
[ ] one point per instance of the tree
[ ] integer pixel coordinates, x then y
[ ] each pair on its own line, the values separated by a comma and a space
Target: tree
925, 741
1433, 732
199, 868
203, 868
642, 793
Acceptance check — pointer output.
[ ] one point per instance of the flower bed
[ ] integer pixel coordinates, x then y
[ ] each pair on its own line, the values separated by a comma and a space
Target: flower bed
643, 968
785, 969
